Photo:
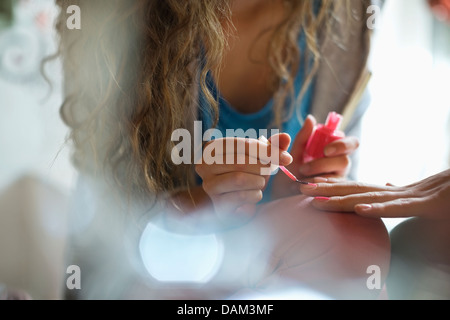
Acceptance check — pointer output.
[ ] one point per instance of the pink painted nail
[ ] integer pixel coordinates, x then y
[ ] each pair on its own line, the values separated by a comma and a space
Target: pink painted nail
322, 199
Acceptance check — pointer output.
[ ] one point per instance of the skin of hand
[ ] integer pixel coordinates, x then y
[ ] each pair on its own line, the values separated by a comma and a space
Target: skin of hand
237, 188
336, 163
429, 198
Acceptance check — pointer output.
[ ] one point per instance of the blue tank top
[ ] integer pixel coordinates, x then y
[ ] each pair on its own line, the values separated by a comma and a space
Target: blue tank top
230, 118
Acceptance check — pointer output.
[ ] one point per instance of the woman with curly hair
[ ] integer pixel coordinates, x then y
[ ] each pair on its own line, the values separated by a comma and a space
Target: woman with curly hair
138, 71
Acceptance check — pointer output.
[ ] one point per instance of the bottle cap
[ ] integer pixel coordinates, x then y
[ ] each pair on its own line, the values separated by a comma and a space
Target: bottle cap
333, 121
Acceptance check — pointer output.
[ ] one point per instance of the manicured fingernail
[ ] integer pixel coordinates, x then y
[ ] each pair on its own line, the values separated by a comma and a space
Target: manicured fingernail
322, 199
310, 186
320, 179
364, 207
286, 157
330, 151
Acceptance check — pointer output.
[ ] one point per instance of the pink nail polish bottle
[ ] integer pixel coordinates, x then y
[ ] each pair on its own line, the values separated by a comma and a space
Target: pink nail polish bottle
323, 135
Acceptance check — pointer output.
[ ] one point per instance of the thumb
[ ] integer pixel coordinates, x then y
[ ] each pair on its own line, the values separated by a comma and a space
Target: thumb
302, 137
281, 141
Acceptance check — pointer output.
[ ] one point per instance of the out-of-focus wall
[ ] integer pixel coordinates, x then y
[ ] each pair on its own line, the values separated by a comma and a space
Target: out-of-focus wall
404, 131
31, 132
404, 136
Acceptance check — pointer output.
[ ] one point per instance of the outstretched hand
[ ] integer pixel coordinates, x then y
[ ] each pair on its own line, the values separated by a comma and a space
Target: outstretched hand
429, 198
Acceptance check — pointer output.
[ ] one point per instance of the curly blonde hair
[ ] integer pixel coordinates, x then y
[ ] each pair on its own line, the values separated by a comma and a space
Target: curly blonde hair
132, 72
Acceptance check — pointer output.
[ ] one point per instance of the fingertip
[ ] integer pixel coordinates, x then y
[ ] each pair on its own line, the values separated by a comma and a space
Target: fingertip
281, 140
286, 158
320, 203
364, 209
310, 123
322, 199
285, 135
310, 118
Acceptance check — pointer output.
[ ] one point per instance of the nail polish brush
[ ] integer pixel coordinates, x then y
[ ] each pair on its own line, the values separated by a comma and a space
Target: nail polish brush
292, 177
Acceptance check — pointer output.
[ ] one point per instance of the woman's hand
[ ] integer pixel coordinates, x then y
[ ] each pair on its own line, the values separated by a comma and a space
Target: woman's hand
237, 185
336, 163
429, 198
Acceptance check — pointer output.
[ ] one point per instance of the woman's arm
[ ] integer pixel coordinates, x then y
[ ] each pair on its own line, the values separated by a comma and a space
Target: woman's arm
327, 253
289, 249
